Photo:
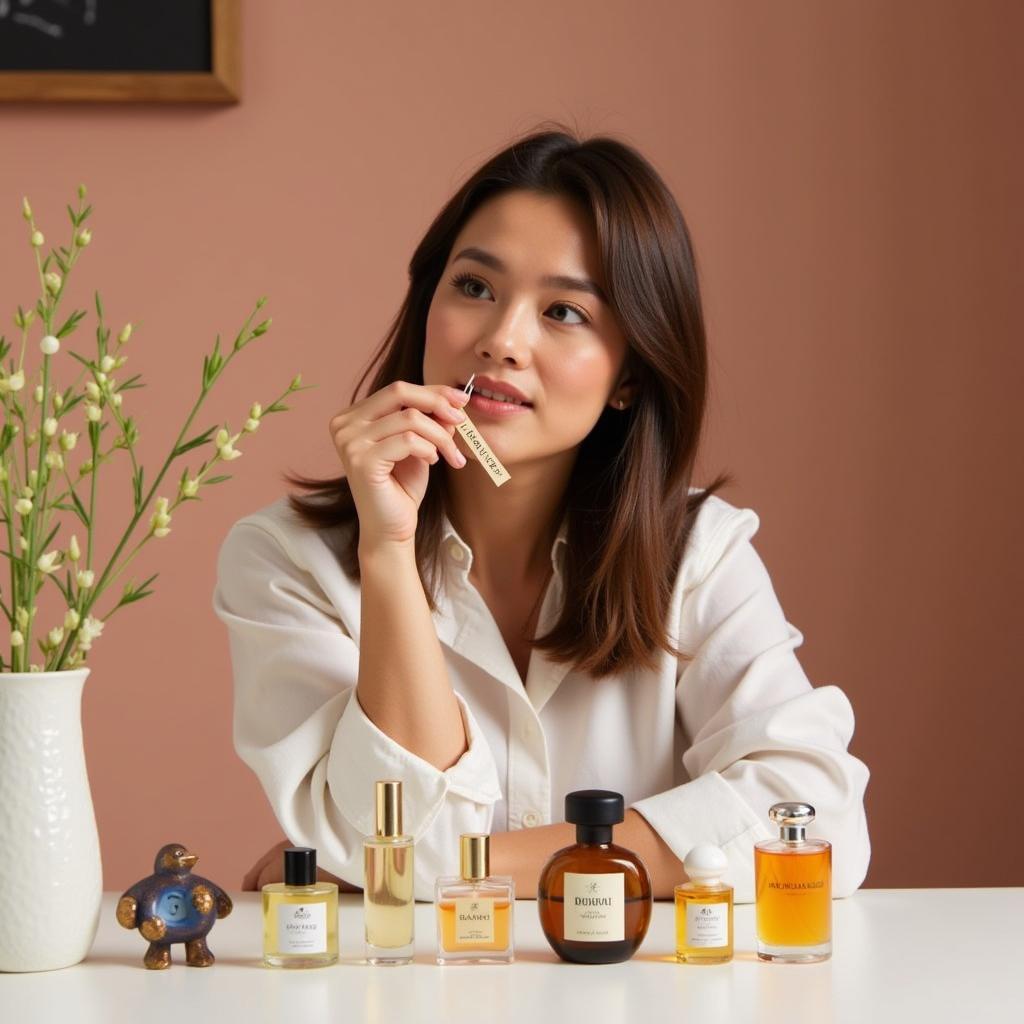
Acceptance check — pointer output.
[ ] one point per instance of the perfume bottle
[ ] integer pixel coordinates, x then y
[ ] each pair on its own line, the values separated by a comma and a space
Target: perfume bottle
704, 909
793, 886
594, 898
388, 902
474, 910
300, 915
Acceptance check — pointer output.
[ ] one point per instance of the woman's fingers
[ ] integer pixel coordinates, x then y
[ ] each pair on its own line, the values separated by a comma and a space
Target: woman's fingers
442, 438
431, 399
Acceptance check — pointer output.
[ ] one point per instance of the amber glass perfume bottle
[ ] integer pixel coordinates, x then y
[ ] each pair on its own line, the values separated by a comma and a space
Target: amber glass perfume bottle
793, 884
594, 898
300, 915
388, 902
704, 909
474, 911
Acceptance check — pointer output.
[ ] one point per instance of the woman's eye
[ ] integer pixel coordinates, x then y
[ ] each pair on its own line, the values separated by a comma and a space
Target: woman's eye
462, 281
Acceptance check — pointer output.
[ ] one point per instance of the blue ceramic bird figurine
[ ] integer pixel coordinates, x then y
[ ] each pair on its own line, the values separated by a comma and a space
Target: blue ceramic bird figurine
173, 905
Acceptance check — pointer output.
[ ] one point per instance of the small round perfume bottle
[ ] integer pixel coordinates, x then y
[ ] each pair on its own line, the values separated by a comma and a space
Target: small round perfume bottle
704, 909
793, 884
594, 898
300, 915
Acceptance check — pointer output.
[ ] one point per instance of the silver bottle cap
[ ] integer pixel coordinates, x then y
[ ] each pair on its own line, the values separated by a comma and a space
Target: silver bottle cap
792, 819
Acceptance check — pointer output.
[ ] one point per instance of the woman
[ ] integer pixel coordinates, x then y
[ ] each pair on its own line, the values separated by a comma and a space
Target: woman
595, 622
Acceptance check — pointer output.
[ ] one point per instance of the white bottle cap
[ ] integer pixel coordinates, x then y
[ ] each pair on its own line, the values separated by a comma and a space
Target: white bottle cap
705, 863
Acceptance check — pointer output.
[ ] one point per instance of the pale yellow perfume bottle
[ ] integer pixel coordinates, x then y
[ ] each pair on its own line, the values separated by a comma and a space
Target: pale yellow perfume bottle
704, 909
793, 883
300, 915
388, 901
474, 910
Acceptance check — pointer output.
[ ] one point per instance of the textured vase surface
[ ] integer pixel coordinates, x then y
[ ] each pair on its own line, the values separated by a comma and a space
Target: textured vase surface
51, 877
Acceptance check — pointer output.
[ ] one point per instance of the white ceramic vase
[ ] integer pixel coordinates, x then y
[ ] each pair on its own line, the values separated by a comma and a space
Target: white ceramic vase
51, 877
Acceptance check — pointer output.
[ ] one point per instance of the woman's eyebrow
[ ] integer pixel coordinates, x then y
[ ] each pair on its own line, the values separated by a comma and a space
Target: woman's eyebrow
579, 284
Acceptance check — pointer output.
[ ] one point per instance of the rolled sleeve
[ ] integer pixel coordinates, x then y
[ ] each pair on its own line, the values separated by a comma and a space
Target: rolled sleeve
760, 733
299, 725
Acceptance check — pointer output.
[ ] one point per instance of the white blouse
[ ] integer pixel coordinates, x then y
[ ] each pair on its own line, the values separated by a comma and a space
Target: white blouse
701, 747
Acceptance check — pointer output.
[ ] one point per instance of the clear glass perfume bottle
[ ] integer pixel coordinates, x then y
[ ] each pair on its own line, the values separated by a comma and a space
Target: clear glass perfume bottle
300, 915
474, 910
594, 898
704, 909
793, 884
388, 901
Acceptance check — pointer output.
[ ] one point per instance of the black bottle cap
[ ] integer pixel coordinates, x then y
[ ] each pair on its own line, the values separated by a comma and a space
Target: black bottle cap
594, 807
299, 865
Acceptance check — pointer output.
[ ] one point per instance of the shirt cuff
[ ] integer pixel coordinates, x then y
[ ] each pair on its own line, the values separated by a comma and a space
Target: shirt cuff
707, 810
361, 754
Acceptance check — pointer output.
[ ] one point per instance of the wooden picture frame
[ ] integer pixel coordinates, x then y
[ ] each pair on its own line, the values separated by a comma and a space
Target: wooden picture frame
220, 84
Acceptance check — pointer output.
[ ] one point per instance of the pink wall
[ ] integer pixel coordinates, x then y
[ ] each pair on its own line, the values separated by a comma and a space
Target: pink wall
851, 173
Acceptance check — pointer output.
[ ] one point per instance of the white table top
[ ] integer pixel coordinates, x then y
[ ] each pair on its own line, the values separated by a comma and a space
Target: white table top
898, 955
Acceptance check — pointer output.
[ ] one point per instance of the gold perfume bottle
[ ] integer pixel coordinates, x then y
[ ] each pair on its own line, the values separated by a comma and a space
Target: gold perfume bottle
474, 911
388, 901
793, 884
704, 909
300, 915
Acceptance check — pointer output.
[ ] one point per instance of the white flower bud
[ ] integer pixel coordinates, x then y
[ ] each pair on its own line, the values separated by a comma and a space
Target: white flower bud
58, 401
67, 441
21, 616
15, 382
83, 238
38, 394
161, 506
17, 639
101, 377
92, 389
27, 492
55, 636
94, 412
33, 481
190, 488
26, 210
52, 282
107, 364
54, 460
161, 531
49, 562
22, 542
85, 578
222, 438
50, 345
74, 551
49, 426
37, 238
126, 333
72, 619
23, 505
255, 410
120, 361
115, 401
251, 426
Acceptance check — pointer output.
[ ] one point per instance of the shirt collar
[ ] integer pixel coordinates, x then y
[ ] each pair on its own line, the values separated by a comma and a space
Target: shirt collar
459, 553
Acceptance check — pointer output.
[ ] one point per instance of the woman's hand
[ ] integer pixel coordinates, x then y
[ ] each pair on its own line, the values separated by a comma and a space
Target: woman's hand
270, 868
387, 444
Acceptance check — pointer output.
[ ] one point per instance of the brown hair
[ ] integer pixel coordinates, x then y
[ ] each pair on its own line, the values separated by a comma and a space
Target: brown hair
628, 501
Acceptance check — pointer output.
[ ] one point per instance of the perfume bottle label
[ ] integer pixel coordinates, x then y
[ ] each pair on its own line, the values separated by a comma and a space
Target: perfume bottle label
707, 924
302, 928
595, 907
474, 921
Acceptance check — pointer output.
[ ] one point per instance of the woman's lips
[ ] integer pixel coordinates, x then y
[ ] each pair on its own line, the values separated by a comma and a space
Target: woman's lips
492, 407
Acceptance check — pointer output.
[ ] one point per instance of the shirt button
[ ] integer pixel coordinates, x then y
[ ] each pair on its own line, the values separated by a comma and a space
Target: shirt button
531, 819
457, 553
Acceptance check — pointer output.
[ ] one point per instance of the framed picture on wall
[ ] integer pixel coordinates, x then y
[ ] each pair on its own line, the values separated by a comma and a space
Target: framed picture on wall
155, 51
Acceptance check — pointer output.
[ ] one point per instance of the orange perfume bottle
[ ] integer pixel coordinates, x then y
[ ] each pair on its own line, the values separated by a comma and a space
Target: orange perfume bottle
793, 885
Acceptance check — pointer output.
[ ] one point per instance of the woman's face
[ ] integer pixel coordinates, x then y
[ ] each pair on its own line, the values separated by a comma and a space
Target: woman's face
495, 314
